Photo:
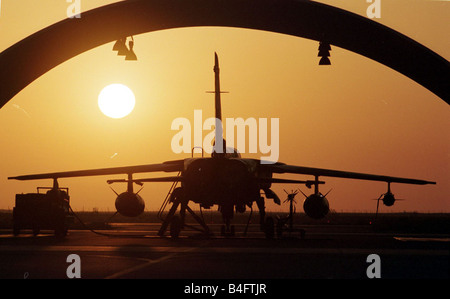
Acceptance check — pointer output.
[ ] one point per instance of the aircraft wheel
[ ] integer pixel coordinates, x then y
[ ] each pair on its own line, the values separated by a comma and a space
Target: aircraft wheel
302, 233
16, 227
232, 230
175, 227
269, 228
60, 232
36, 231
279, 229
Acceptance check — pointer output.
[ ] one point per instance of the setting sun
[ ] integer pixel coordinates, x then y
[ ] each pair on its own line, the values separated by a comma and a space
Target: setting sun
116, 100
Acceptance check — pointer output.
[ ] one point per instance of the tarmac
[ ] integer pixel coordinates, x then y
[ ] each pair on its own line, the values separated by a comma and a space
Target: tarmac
135, 251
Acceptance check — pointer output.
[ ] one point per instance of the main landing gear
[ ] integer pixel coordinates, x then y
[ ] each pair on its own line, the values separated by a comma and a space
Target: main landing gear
227, 230
176, 223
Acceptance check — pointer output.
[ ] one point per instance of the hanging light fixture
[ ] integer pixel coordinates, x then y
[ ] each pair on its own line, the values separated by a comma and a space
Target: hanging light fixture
122, 49
324, 53
324, 61
120, 46
130, 54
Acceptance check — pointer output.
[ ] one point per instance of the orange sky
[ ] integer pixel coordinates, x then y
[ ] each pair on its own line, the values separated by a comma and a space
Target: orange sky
355, 115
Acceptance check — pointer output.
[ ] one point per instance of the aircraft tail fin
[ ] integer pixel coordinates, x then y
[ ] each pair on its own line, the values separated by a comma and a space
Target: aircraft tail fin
219, 146
218, 104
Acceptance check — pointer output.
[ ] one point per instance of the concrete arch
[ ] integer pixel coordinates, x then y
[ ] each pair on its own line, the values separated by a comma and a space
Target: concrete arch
35, 55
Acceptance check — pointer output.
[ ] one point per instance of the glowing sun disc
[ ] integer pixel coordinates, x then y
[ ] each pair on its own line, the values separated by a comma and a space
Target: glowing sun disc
116, 100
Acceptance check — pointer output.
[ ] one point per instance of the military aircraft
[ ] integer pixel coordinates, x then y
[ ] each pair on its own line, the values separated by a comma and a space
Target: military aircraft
224, 179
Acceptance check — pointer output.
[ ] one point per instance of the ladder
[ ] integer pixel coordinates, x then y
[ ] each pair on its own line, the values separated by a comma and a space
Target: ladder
167, 199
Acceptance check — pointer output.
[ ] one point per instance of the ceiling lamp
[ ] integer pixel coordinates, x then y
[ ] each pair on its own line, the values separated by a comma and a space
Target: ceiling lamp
130, 54
324, 53
122, 49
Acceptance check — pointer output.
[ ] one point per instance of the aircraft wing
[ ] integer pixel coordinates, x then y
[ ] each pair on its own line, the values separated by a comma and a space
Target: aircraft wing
317, 172
169, 166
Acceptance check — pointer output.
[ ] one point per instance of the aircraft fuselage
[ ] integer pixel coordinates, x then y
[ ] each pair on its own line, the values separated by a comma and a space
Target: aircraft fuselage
221, 181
